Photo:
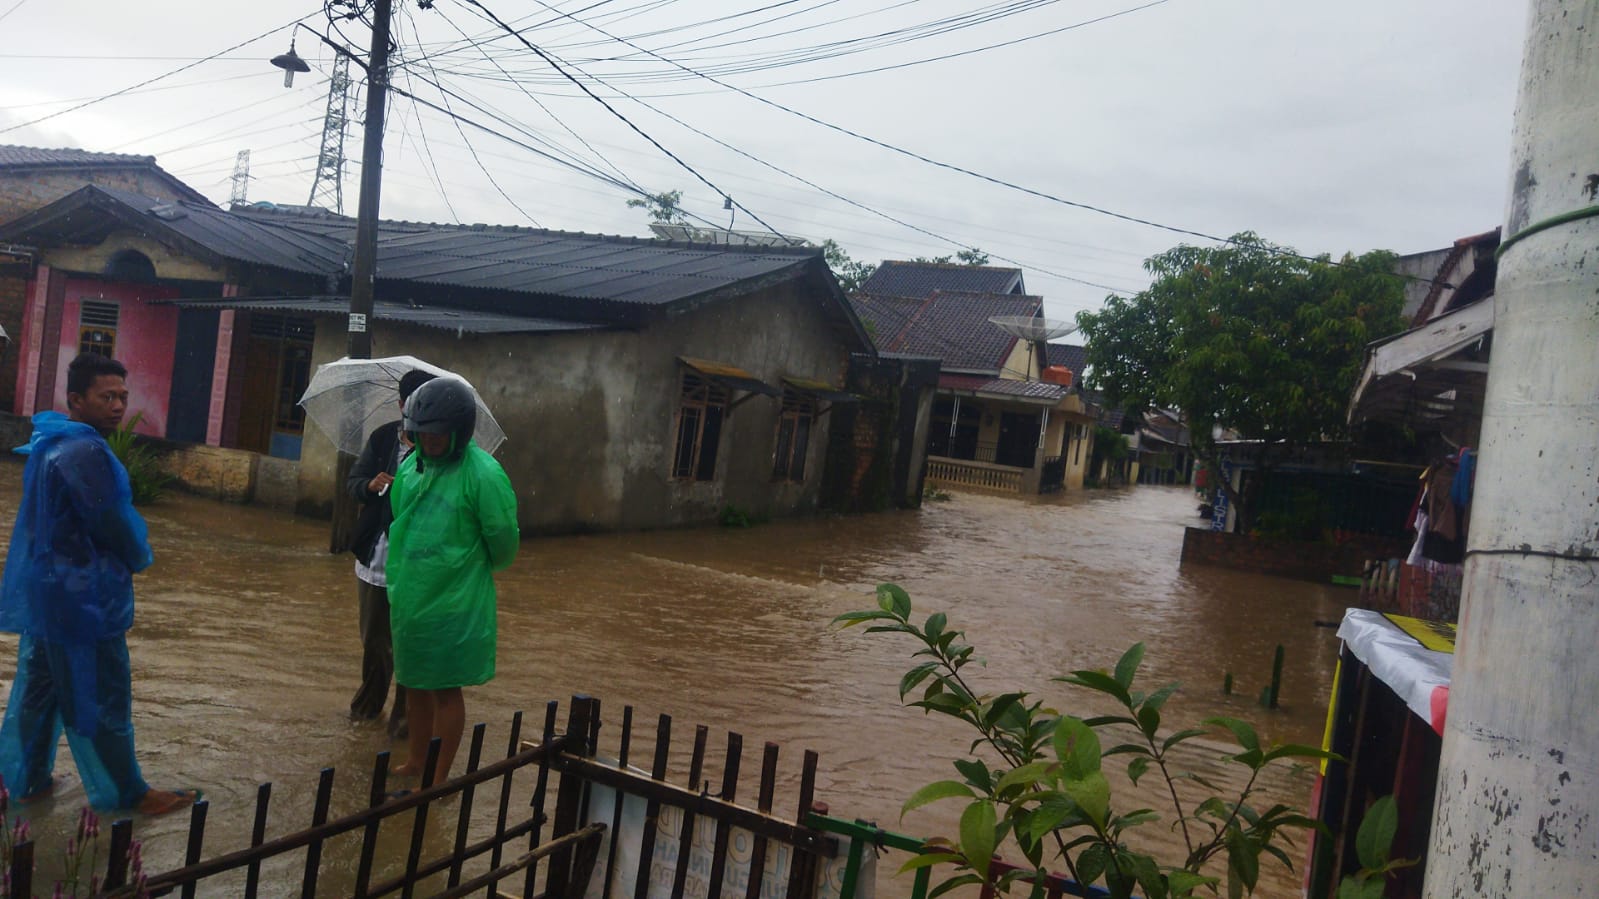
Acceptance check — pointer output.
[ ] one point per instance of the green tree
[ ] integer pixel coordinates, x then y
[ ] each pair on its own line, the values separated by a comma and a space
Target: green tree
1248, 337
663, 208
850, 274
968, 256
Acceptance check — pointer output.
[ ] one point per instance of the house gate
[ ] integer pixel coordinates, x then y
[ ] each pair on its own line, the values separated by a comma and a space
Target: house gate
587, 788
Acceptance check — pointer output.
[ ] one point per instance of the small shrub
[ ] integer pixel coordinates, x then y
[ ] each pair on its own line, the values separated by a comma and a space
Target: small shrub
144, 471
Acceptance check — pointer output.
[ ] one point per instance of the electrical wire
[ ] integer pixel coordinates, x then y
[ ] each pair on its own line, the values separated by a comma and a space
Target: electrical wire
862, 206
969, 172
14, 7
421, 131
690, 169
539, 103
184, 68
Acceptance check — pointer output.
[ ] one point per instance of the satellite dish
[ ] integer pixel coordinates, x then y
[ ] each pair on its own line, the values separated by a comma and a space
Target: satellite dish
1028, 327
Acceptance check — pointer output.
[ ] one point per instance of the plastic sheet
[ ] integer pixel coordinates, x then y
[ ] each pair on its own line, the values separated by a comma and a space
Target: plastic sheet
1420, 676
454, 526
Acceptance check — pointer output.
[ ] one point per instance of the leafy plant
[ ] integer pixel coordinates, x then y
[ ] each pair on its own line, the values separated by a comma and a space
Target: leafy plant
1373, 843
1040, 783
144, 470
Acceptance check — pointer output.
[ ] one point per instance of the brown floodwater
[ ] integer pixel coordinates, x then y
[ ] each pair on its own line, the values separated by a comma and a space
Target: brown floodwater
245, 650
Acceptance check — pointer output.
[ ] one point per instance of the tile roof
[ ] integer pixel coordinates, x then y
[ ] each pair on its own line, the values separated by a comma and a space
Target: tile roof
1072, 356
23, 159
13, 155
920, 279
950, 325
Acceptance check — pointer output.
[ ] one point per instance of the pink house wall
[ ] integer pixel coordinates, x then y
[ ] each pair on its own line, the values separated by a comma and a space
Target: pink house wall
147, 339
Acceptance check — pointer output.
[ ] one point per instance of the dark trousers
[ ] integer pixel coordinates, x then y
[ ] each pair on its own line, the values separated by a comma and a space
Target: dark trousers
377, 660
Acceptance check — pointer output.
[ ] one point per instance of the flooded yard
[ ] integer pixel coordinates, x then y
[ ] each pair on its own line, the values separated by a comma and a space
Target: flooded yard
245, 651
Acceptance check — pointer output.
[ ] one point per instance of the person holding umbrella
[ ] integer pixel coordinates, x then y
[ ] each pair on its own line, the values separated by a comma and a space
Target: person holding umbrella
369, 482
454, 526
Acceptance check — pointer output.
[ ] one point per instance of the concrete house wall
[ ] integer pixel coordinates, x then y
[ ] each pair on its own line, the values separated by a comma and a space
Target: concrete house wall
591, 417
26, 189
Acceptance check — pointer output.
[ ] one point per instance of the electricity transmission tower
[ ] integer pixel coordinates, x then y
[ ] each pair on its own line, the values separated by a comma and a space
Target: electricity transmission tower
241, 179
327, 189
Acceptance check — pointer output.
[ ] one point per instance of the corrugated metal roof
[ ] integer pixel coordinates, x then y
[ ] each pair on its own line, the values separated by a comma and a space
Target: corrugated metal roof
1004, 388
821, 390
920, 279
602, 276
731, 375
460, 320
554, 263
950, 325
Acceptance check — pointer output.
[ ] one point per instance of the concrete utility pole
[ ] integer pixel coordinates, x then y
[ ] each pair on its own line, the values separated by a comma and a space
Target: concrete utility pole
1518, 787
363, 276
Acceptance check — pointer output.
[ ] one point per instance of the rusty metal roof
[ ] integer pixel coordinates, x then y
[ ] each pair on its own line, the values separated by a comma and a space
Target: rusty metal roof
731, 375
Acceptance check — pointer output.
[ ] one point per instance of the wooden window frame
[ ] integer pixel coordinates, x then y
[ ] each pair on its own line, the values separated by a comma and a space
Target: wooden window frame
796, 422
107, 321
702, 407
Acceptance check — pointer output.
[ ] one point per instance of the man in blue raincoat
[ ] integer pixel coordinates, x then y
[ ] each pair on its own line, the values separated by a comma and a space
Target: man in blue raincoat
68, 590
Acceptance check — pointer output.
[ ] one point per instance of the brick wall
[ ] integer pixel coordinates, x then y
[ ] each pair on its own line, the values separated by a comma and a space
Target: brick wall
22, 192
1297, 559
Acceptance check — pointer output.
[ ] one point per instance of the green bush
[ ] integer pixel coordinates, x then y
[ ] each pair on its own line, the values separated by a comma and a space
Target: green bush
144, 472
1034, 779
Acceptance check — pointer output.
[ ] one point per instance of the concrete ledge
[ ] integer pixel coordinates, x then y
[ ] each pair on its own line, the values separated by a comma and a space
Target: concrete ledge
1299, 559
230, 475
211, 471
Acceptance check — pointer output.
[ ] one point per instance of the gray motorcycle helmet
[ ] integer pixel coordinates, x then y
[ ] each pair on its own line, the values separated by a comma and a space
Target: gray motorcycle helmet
443, 406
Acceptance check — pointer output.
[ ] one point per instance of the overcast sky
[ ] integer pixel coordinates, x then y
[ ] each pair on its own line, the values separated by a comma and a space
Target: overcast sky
1329, 127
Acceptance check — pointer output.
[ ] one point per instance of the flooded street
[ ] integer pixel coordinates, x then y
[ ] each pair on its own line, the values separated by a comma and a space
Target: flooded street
245, 651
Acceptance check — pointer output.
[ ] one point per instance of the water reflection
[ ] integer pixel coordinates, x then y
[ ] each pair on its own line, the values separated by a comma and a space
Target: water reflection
245, 651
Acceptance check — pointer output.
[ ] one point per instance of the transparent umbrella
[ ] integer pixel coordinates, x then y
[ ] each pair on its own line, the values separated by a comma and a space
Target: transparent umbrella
348, 398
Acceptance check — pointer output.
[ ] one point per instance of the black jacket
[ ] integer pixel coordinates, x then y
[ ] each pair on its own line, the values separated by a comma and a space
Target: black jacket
381, 453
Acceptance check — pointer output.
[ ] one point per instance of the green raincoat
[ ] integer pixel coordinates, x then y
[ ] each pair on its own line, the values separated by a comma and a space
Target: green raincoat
454, 526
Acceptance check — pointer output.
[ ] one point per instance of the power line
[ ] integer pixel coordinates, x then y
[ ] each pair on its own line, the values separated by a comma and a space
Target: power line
624, 119
960, 169
133, 87
536, 101
862, 206
14, 7
471, 149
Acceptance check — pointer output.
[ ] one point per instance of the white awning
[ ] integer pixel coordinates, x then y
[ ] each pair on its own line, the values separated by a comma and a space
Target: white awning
1419, 360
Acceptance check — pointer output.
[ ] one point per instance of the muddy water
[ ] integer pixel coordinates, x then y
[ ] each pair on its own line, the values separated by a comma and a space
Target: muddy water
245, 651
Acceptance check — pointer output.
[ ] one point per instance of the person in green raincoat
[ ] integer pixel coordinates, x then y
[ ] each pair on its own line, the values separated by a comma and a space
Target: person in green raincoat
454, 526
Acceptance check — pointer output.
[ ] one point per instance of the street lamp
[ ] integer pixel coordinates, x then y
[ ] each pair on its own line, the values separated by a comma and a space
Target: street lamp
290, 63
364, 267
